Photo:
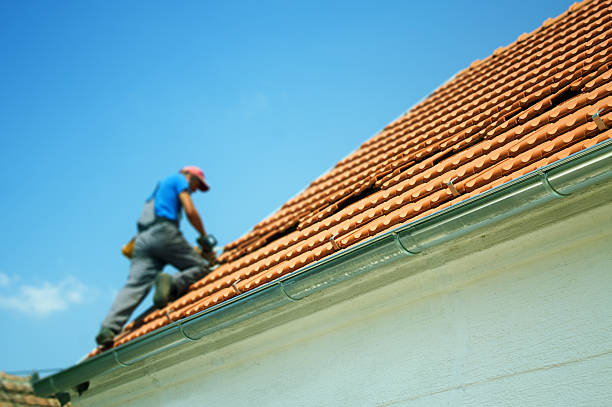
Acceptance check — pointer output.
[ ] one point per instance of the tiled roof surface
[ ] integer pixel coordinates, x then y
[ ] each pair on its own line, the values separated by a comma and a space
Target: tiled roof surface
16, 391
527, 105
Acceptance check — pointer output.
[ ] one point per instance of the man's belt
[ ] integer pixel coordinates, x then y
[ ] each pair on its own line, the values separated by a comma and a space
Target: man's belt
158, 220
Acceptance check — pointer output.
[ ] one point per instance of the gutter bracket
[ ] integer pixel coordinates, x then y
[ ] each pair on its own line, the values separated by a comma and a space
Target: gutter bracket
168, 314
236, 289
549, 187
452, 187
598, 121
332, 239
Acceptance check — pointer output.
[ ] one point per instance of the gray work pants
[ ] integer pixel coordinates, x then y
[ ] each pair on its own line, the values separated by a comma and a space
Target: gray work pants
157, 246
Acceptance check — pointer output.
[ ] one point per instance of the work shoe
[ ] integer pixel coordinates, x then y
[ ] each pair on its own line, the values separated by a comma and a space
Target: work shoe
164, 288
105, 337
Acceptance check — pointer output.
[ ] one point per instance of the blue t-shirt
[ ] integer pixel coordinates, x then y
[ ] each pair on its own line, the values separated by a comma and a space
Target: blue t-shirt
167, 202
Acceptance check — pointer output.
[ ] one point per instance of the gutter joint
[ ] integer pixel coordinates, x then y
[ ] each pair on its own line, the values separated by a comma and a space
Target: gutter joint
180, 326
119, 362
416, 247
549, 187
282, 289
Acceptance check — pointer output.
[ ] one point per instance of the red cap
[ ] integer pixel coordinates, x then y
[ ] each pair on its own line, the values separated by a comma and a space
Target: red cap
198, 173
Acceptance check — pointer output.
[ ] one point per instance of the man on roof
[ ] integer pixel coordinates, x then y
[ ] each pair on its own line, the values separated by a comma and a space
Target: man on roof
159, 242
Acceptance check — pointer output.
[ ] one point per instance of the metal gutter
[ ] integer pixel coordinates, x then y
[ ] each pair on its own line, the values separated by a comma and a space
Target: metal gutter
555, 181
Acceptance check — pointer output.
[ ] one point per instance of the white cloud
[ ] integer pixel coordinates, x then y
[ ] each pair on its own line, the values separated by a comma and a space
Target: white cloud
7, 280
45, 298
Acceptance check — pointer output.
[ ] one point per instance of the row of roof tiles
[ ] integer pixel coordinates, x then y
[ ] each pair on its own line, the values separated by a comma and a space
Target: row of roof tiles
543, 96
600, 26
526, 106
16, 391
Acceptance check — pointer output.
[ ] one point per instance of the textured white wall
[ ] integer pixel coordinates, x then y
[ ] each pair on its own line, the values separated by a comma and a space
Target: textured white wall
525, 323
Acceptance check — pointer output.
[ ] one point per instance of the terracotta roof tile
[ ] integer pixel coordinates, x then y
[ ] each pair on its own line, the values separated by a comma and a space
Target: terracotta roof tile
524, 107
16, 391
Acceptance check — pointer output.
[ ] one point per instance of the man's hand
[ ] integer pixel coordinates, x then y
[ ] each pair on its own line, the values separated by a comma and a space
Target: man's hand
207, 242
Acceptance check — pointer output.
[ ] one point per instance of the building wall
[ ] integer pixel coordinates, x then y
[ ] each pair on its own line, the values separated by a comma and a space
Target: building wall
527, 322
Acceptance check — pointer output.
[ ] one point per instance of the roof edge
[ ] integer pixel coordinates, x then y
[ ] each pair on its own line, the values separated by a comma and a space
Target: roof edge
555, 181
526, 35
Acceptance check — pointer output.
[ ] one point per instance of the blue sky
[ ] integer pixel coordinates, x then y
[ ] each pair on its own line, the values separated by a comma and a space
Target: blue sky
100, 99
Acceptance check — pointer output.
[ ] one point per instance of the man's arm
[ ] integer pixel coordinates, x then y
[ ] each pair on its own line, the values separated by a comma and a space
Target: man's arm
192, 213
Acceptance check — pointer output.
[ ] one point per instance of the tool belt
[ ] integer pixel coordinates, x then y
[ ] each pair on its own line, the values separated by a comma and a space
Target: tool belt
128, 249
